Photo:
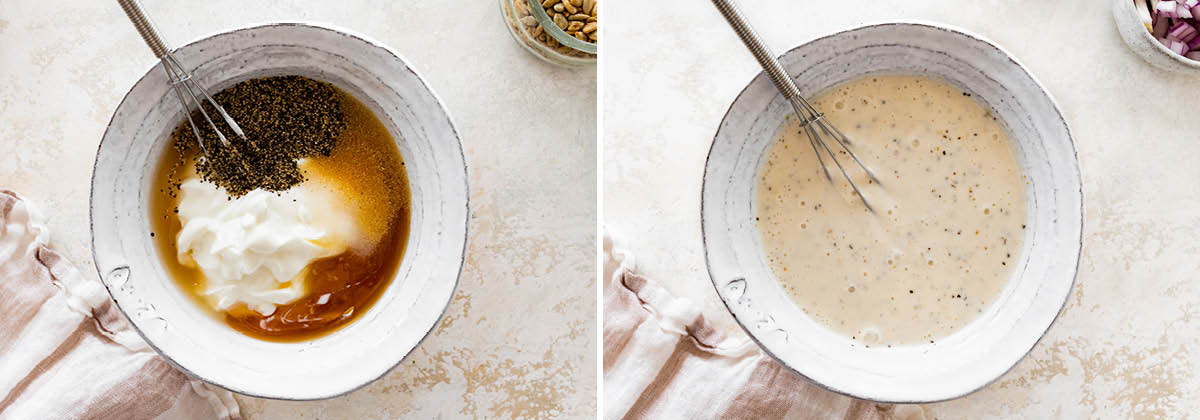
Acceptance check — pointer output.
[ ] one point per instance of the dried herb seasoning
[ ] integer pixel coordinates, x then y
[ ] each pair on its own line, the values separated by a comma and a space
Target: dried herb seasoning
285, 118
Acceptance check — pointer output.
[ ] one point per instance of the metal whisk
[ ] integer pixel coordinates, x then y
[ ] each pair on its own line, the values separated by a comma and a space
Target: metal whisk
181, 81
813, 122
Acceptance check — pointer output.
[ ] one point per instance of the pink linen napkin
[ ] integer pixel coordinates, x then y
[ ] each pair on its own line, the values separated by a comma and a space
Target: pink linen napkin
66, 352
663, 360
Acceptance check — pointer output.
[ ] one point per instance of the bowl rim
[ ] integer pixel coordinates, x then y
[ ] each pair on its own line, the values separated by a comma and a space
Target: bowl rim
466, 219
1128, 10
1075, 159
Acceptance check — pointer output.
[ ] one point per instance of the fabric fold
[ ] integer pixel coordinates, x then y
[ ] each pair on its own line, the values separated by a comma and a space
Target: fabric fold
66, 352
664, 360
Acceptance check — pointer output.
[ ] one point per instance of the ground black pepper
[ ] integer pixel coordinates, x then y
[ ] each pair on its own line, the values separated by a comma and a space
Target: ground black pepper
285, 118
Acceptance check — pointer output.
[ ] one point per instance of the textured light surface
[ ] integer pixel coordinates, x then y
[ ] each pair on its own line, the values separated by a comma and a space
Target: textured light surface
1124, 345
518, 339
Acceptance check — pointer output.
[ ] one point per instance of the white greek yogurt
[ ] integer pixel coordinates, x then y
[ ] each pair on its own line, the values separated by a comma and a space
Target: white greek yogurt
256, 249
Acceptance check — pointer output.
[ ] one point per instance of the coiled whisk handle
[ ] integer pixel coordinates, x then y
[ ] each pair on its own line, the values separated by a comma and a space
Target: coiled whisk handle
143, 26
759, 48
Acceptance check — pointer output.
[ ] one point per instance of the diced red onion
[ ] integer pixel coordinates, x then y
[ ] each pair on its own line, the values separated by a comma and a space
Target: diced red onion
1181, 32
1175, 24
1194, 44
1177, 47
1167, 8
1160, 27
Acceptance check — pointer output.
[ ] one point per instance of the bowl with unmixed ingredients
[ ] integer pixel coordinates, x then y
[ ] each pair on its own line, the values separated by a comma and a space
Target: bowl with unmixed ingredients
874, 82
402, 120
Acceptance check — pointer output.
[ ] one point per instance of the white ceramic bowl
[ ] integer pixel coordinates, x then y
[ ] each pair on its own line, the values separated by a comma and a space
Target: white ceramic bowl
981, 351
1142, 43
193, 341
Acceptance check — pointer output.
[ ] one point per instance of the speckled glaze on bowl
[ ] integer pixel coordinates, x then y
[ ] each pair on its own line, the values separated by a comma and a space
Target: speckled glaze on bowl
1142, 43
206, 348
983, 350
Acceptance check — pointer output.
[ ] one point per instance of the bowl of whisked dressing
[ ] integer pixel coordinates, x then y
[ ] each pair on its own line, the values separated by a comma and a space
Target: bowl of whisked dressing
306, 259
971, 242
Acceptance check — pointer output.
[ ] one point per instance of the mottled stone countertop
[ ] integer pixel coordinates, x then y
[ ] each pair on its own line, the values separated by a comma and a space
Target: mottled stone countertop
1126, 344
518, 340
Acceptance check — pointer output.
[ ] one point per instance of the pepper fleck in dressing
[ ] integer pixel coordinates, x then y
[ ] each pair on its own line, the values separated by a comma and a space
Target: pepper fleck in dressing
949, 221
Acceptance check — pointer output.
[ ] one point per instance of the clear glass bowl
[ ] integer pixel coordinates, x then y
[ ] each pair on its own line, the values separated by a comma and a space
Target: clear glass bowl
554, 51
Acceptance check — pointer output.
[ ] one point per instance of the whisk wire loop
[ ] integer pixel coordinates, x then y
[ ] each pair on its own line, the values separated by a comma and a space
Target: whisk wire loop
805, 112
183, 84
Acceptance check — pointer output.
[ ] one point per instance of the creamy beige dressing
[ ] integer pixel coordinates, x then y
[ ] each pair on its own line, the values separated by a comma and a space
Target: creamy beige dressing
949, 221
